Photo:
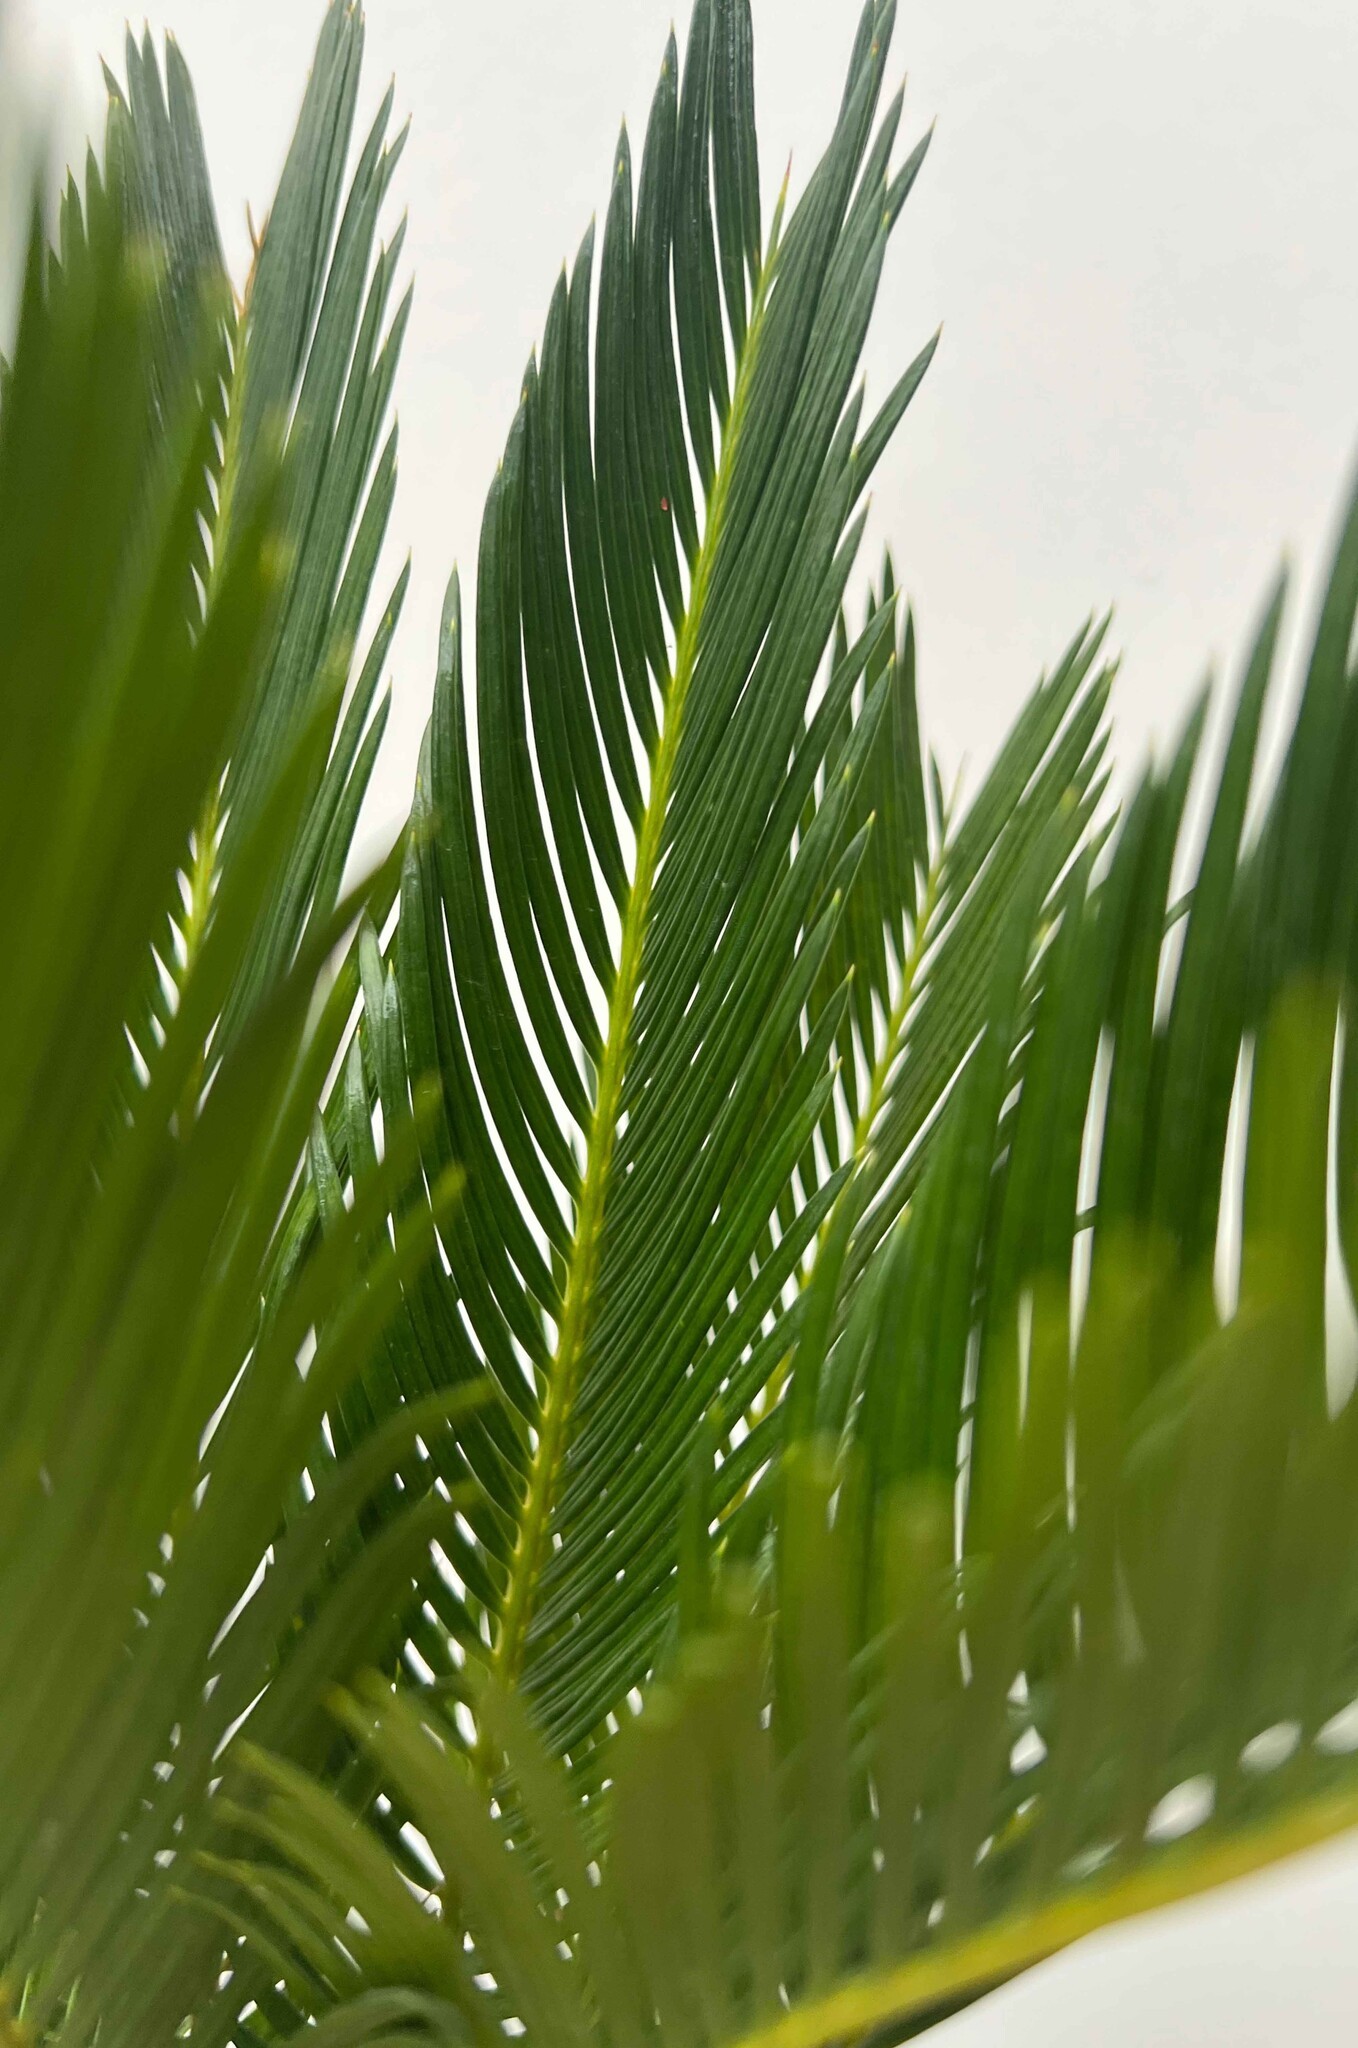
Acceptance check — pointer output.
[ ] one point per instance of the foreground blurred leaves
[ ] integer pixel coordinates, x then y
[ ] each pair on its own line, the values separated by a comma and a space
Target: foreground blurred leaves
191, 503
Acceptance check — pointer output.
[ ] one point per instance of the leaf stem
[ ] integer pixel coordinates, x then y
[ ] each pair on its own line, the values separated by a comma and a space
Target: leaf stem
772, 1392
896, 1022
202, 878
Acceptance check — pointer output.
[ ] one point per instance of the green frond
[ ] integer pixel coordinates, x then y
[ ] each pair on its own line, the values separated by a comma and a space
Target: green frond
299, 405
663, 556
930, 904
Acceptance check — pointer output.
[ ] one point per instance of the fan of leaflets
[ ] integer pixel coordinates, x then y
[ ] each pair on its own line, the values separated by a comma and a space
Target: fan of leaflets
691, 961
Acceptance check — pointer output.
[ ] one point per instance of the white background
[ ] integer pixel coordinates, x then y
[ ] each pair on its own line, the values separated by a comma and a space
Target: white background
1138, 224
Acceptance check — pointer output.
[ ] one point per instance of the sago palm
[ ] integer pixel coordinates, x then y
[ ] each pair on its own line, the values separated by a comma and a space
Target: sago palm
703, 1410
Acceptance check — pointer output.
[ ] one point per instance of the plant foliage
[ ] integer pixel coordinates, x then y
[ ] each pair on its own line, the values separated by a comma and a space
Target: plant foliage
709, 1409
191, 502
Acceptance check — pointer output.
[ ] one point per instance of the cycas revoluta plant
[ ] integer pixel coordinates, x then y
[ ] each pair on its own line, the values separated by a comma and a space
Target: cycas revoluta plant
703, 1411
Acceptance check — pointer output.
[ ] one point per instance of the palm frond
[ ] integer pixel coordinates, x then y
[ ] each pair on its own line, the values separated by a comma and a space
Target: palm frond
610, 922
933, 896
304, 387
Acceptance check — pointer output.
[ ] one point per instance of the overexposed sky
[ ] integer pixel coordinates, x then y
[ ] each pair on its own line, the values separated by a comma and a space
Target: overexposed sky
1138, 225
